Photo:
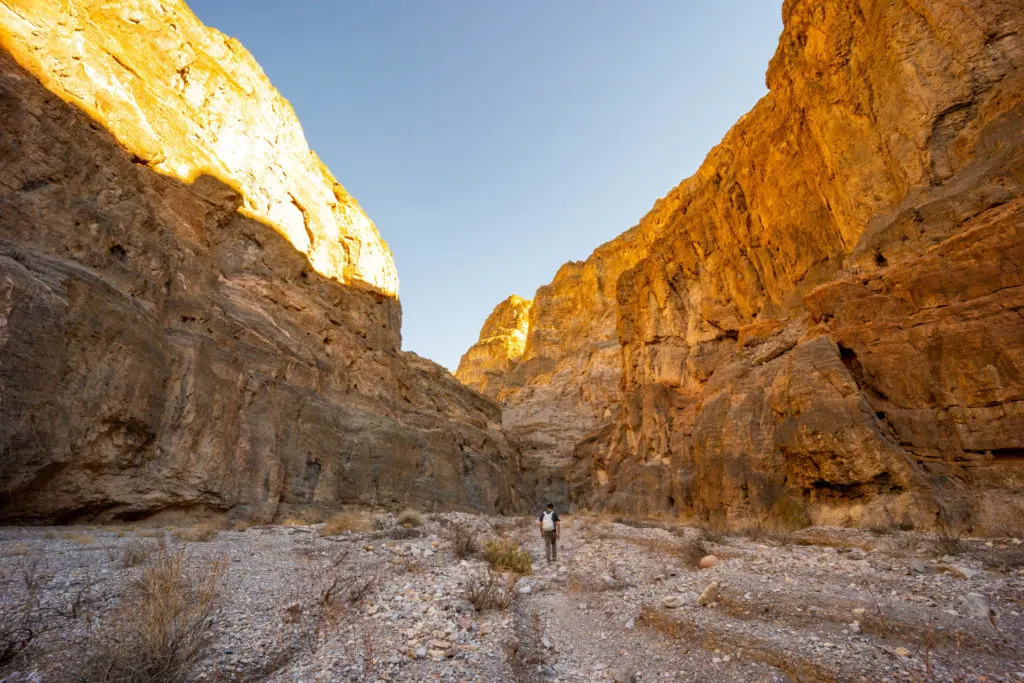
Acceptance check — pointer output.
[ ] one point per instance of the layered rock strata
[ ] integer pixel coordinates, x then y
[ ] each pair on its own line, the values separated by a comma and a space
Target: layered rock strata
164, 348
823, 325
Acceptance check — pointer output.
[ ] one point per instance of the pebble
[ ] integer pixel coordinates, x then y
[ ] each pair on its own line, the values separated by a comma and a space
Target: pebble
708, 561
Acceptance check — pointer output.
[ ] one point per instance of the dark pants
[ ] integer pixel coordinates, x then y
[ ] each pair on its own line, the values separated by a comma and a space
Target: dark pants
551, 545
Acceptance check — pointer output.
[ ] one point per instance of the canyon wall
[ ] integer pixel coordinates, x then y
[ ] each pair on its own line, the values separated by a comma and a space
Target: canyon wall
195, 318
823, 324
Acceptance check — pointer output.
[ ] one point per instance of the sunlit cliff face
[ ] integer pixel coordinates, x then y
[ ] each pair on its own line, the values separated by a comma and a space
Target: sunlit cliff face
189, 101
502, 342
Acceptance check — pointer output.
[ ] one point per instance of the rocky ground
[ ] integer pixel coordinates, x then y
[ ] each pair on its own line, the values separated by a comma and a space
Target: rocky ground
624, 602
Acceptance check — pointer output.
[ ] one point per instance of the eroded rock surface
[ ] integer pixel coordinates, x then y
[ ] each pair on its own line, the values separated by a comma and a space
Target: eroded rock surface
823, 325
162, 351
190, 101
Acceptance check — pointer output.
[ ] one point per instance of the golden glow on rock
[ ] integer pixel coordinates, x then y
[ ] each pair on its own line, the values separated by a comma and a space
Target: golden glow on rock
502, 342
189, 101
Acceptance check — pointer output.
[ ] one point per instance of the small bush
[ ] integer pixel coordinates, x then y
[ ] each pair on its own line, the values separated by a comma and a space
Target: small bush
163, 624
490, 591
346, 521
402, 532
200, 533
948, 541
83, 539
18, 550
136, 553
50, 535
410, 517
505, 554
22, 618
690, 552
464, 543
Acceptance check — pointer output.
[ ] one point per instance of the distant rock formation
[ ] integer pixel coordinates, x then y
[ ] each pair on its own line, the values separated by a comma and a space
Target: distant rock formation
195, 318
501, 344
823, 325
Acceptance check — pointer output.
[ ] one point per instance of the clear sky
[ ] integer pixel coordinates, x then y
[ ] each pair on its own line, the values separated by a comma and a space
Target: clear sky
493, 140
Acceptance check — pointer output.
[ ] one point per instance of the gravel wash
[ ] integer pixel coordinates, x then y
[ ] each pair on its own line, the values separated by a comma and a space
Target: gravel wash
624, 602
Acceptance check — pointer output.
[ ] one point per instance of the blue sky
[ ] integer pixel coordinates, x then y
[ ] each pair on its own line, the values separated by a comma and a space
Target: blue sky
491, 141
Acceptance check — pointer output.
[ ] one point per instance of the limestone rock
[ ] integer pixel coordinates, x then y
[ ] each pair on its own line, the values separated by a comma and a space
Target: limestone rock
710, 594
502, 342
166, 349
187, 101
821, 326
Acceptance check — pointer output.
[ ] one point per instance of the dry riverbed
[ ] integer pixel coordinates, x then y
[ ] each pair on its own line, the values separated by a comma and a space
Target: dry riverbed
623, 603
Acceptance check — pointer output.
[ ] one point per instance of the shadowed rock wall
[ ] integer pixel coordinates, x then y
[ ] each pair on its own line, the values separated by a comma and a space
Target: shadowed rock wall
823, 324
161, 352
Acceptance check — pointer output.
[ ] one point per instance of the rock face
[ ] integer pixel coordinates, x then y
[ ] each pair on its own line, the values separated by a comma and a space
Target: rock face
501, 344
179, 347
189, 101
823, 325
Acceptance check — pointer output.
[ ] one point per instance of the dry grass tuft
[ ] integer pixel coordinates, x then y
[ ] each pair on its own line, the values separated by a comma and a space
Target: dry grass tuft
491, 591
948, 541
200, 533
50, 535
136, 553
18, 550
22, 618
464, 543
82, 539
410, 517
326, 591
505, 554
163, 624
355, 522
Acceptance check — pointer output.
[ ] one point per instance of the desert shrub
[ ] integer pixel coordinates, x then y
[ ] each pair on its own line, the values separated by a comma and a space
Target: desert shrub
346, 521
690, 552
49, 535
402, 532
136, 553
21, 614
321, 598
505, 554
410, 517
490, 591
83, 539
712, 534
947, 540
163, 624
200, 533
464, 543
18, 550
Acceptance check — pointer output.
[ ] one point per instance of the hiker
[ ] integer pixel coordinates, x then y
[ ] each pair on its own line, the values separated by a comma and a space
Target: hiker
550, 529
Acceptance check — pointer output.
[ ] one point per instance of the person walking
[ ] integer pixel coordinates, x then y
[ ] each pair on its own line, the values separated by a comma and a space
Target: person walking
550, 529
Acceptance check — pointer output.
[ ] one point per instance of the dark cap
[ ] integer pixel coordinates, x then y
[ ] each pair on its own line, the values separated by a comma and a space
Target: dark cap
550, 505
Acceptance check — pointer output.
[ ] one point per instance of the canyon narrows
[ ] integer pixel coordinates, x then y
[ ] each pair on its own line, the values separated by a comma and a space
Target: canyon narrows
195, 317
823, 325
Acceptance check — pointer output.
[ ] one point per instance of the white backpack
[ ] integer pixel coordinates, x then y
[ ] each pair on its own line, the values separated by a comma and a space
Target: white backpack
548, 523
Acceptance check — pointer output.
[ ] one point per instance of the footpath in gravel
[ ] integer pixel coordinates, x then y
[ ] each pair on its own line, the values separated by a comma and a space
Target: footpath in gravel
624, 602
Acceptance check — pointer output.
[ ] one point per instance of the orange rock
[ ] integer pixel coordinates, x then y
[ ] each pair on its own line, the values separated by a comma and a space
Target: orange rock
708, 561
821, 326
